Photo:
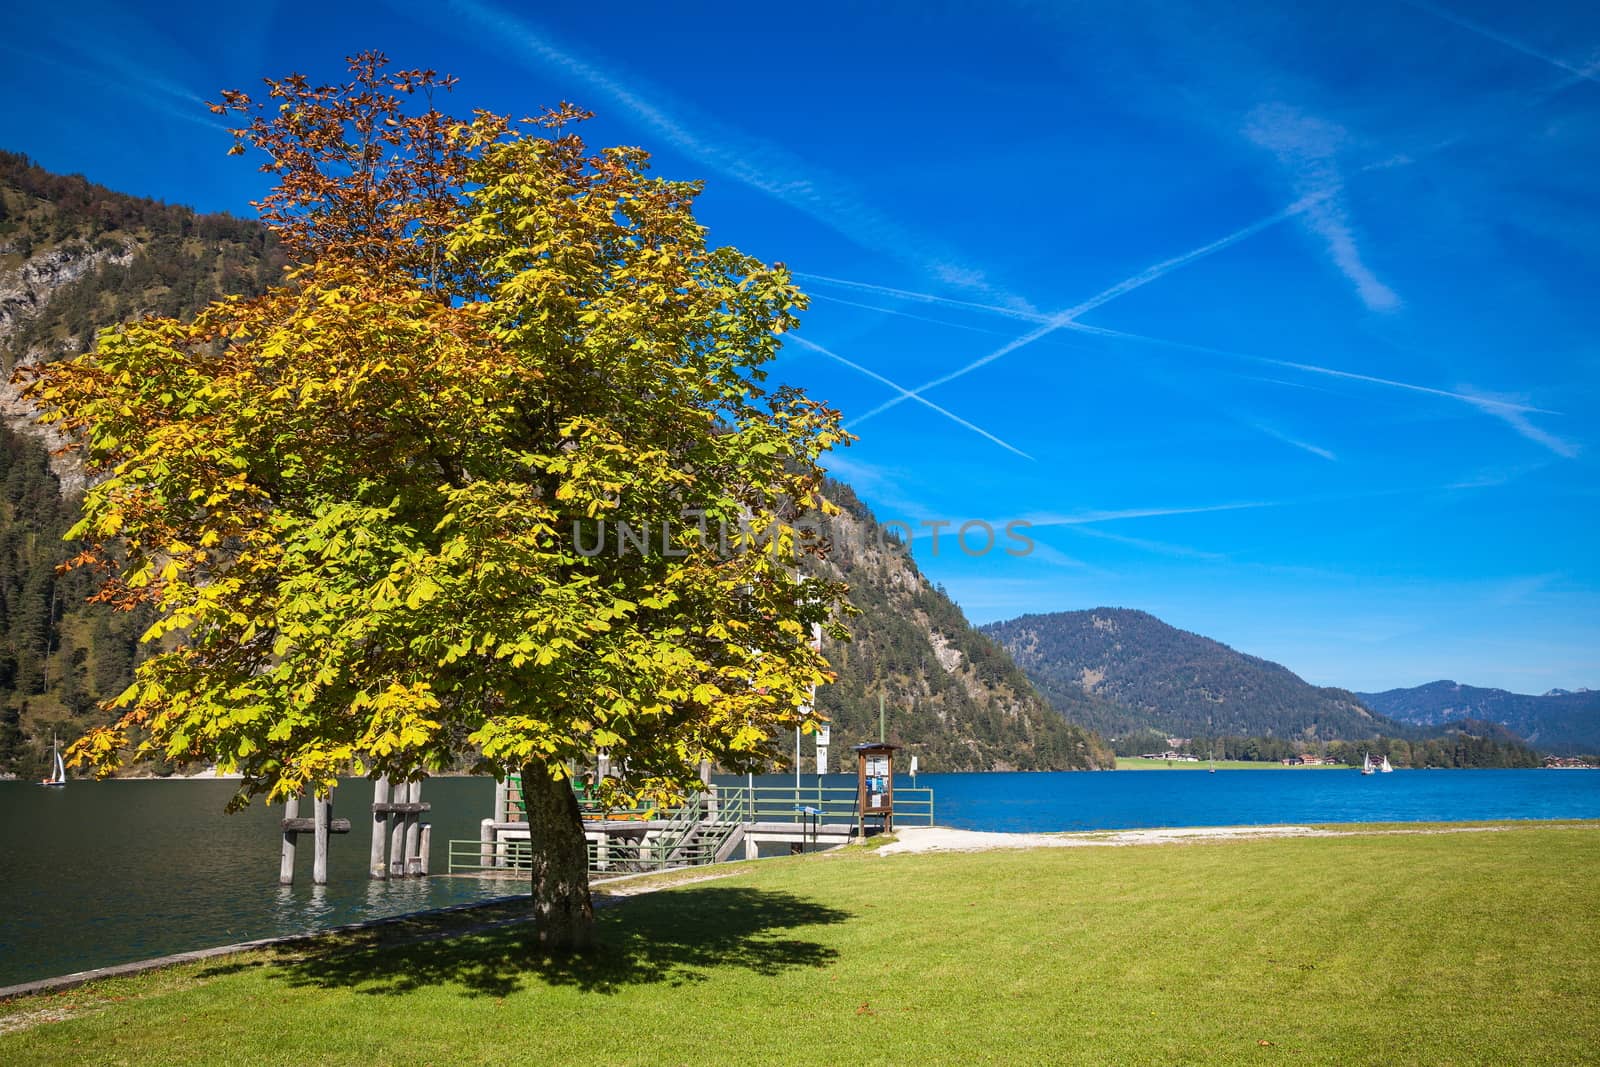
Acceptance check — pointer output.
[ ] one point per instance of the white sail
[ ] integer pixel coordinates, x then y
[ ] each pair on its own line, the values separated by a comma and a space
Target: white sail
1384, 766
61, 769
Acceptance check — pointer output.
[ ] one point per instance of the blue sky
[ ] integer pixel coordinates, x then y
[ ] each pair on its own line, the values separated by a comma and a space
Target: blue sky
1278, 321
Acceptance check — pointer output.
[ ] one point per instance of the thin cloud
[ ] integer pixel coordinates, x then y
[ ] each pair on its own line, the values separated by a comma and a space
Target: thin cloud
1308, 148
1279, 435
1515, 416
758, 164
922, 298
930, 405
129, 82
903, 314
1492, 405
1086, 518
1587, 73
1063, 319
1160, 548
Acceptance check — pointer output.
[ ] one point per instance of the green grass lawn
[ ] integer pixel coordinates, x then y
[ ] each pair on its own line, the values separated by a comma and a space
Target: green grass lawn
1475, 947
1139, 763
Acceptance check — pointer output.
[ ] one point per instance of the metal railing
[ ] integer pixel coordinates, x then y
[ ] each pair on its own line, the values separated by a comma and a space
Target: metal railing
832, 804
695, 833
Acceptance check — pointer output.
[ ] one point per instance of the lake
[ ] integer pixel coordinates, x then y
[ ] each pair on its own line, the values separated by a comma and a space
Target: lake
108, 872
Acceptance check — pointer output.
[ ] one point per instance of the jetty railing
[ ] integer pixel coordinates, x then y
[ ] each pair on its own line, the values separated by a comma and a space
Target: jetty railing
702, 830
831, 804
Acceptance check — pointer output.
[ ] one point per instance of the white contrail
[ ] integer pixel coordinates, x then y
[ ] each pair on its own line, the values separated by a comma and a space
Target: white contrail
132, 84
904, 314
1307, 446
762, 165
923, 298
1086, 517
1061, 320
1483, 403
903, 391
1512, 413
1588, 73
1162, 548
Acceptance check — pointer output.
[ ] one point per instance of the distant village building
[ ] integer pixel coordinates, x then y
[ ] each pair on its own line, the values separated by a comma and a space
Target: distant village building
1170, 757
1308, 760
1567, 763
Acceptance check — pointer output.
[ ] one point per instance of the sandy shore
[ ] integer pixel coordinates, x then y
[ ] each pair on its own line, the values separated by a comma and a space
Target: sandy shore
918, 839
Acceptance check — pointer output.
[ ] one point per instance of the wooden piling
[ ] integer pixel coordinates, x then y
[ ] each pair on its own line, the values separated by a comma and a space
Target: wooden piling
486, 843
424, 847
413, 827
501, 801
322, 812
397, 833
291, 810
377, 864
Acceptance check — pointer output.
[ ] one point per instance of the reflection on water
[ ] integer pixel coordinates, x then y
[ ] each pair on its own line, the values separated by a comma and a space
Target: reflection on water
107, 872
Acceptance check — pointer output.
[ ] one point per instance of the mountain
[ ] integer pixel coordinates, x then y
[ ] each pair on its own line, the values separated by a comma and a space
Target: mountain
1562, 722
954, 697
1147, 675
75, 257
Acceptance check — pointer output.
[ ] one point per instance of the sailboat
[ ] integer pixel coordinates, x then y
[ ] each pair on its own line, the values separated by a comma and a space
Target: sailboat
58, 773
1375, 766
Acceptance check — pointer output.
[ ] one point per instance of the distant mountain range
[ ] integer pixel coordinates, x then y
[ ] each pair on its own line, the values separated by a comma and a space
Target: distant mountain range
1147, 675
1560, 721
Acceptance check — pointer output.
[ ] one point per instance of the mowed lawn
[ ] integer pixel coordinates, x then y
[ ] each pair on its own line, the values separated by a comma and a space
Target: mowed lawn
1452, 947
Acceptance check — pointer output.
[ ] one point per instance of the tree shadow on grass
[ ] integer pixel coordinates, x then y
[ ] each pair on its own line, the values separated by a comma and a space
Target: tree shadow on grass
658, 938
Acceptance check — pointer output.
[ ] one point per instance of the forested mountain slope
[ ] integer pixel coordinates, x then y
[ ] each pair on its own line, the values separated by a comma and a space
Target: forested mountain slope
955, 698
76, 257
1149, 675
1560, 722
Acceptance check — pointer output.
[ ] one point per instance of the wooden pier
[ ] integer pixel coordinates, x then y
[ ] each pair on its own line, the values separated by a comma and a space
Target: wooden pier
718, 825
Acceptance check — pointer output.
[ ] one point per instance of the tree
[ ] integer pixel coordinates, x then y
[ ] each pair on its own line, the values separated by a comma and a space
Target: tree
363, 506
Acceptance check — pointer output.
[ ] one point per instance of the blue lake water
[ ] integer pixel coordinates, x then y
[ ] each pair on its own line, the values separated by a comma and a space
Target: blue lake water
107, 872
1142, 799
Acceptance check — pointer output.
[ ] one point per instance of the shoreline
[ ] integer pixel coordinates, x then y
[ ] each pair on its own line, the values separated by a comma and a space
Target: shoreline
910, 841
921, 840
75, 979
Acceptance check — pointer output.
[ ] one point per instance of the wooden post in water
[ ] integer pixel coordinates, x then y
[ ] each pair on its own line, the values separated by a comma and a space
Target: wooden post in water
413, 828
322, 814
486, 843
397, 833
291, 810
425, 847
501, 801
378, 865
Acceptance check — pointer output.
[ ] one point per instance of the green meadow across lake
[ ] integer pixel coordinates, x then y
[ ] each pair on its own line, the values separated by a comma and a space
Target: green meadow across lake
1142, 763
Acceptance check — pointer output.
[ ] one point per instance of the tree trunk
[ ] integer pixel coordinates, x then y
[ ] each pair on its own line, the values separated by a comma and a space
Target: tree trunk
563, 912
